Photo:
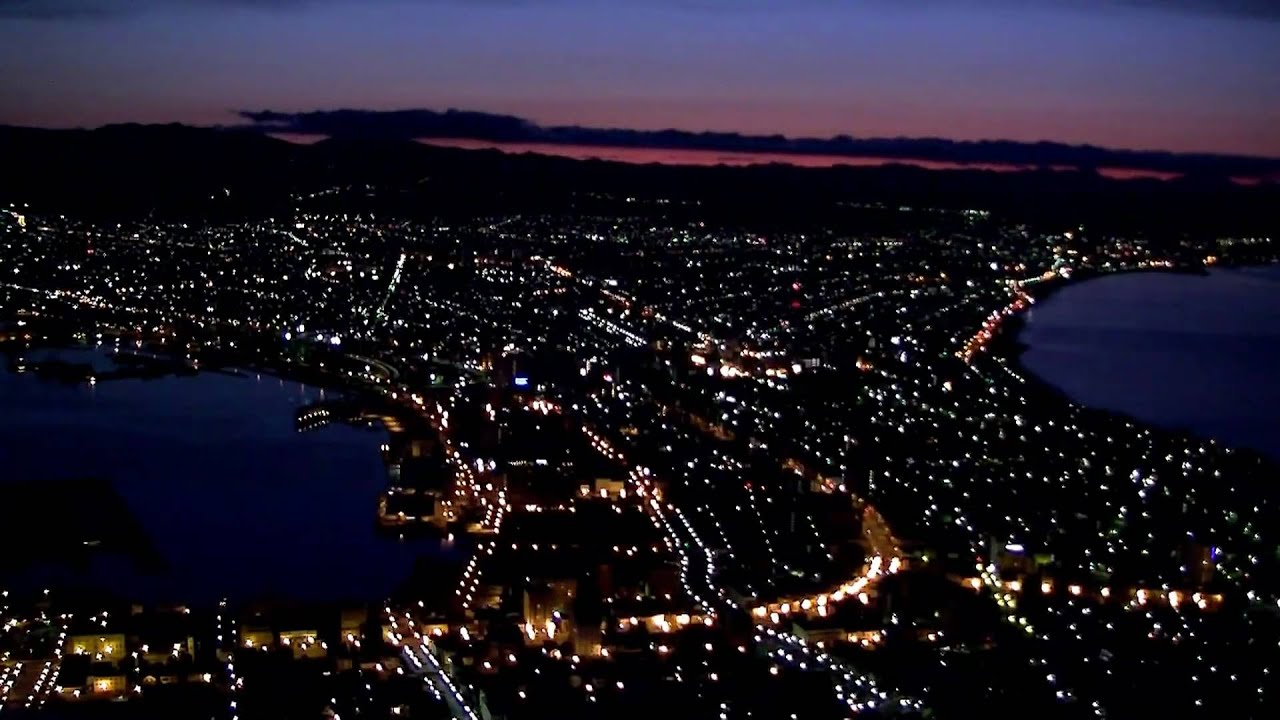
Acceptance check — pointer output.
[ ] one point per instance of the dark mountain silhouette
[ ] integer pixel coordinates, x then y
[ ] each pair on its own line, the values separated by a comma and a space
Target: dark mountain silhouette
410, 124
129, 170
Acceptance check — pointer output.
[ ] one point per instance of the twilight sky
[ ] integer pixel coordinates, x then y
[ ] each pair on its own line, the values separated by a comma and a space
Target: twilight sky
1164, 74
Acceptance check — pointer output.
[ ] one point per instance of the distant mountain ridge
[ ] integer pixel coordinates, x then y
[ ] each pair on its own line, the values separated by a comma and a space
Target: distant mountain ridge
460, 124
124, 171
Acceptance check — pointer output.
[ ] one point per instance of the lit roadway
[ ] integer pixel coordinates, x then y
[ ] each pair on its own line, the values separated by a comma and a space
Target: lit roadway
418, 660
876, 533
856, 689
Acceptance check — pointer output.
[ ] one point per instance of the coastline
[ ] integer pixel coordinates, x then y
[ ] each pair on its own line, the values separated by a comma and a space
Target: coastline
126, 546
1010, 346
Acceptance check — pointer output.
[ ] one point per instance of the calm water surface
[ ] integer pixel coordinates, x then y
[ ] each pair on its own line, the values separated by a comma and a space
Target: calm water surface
1201, 353
235, 500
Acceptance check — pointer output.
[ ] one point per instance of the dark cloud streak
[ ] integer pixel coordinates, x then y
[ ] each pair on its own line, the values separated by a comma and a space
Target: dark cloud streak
455, 124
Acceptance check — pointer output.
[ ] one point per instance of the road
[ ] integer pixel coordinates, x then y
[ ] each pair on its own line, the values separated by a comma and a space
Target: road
879, 538
857, 690
419, 660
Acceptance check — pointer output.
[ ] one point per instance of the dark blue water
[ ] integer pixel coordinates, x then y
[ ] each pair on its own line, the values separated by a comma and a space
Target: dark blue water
236, 501
1200, 353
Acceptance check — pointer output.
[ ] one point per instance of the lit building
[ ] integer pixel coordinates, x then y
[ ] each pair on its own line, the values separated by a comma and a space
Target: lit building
101, 648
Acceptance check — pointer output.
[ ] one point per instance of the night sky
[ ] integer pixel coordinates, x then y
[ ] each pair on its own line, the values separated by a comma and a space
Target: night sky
1170, 74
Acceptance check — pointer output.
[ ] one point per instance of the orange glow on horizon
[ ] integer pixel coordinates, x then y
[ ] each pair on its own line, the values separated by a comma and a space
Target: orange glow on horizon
710, 158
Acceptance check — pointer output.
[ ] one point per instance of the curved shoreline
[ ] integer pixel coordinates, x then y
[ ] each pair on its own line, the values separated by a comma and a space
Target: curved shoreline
160, 588
1010, 346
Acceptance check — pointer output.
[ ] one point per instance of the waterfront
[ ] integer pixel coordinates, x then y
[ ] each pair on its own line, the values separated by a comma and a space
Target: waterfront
233, 499
1195, 352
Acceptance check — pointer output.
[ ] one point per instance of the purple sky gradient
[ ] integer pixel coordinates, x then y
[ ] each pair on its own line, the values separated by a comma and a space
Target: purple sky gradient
1190, 75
